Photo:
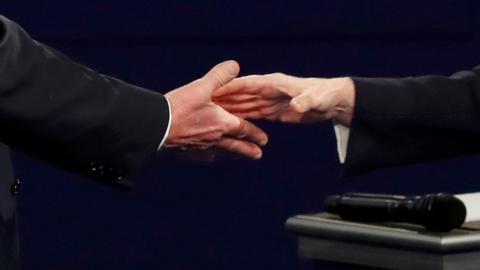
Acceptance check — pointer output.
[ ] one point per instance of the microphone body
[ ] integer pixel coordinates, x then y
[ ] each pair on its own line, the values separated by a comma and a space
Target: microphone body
437, 212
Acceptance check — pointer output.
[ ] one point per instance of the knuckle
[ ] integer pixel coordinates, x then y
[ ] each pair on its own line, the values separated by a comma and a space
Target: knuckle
309, 98
228, 145
277, 75
311, 81
234, 144
226, 126
318, 103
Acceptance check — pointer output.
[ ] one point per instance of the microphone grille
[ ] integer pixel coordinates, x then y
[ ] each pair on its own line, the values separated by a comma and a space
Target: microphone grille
446, 212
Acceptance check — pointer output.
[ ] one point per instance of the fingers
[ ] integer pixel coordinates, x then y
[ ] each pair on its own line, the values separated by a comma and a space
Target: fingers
245, 85
254, 104
220, 75
245, 130
237, 98
241, 147
268, 111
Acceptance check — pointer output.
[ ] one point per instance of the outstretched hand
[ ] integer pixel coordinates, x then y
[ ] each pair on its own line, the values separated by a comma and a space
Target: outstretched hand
198, 124
285, 98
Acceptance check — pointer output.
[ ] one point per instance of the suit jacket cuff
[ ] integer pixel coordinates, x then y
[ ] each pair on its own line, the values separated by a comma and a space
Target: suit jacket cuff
146, 114
167, 131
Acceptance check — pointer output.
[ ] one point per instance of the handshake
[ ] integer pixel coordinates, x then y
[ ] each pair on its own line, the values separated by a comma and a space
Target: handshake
211, 112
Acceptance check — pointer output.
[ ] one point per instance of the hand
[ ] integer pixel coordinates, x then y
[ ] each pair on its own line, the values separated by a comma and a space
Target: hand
289, 99
200, 124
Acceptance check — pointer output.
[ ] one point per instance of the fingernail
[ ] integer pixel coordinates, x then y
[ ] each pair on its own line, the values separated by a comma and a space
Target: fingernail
232, 67
264, 142
258, 155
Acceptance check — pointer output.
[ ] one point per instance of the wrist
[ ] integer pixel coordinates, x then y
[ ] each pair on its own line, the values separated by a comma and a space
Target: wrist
346, 100
170, 136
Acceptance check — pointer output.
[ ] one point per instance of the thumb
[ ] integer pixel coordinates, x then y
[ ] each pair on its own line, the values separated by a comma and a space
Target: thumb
220, 75
302, 103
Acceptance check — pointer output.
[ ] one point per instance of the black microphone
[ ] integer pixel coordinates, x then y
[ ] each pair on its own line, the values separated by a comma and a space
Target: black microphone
436, 212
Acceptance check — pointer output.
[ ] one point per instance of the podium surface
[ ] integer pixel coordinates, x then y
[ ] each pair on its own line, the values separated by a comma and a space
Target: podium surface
325, 237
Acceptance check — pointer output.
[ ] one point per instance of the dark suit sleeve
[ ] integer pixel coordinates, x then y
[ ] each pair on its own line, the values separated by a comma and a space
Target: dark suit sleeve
414, 119
73, 117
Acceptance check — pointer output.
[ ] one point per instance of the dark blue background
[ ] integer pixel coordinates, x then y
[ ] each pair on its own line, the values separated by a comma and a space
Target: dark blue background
229, 215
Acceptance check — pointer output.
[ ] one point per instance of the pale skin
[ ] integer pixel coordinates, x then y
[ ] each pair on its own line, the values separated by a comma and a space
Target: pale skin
289, 99
198, 124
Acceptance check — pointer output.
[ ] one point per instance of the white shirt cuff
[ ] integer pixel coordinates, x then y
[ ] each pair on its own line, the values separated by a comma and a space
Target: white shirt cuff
341, 133
168, 126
